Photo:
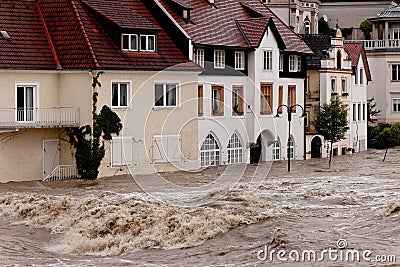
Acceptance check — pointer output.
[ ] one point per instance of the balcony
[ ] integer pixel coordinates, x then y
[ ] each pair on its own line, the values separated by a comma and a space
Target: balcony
39, 118
370, 45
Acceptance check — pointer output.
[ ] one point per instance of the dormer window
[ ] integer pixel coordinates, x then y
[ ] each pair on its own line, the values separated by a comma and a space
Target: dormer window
185, 14
129, 42
147, 43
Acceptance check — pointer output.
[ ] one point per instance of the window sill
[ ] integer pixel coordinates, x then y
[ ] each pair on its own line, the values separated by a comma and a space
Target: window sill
165, 107
217, 114
121, 108
237, 116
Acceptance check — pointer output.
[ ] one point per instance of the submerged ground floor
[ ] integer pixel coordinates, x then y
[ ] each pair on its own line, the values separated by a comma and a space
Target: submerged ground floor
123, 221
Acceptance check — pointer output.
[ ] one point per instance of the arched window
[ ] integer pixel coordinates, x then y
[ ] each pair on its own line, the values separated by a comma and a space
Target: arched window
209, 152
276, 150
235, 150
339, 60
306, 27
290, 148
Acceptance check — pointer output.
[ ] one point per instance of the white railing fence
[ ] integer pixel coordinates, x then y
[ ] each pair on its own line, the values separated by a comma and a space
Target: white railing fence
63, 172
39, 117
378, 44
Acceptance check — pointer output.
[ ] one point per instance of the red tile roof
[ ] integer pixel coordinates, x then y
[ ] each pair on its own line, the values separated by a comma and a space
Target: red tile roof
354, 49
28, 46
253, 29
116, 12
216, 26
84, 36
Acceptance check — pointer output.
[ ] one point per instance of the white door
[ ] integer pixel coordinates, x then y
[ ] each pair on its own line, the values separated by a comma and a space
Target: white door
51, 156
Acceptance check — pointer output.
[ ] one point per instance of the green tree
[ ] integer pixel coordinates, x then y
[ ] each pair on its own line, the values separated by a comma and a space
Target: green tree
372, 111
88, 140
389, 137
331, 122
366, 28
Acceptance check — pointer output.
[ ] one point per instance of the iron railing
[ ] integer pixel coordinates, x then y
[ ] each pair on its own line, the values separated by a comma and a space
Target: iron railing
39, 117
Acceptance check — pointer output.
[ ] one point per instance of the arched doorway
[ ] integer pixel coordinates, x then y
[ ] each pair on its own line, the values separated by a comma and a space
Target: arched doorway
262, 149
316, 145
255, 151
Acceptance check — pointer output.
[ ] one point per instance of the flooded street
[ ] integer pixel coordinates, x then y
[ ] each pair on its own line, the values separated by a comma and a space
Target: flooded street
354, 206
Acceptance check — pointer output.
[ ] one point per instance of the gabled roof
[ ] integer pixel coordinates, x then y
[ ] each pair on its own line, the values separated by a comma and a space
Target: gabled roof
27, 45
216, 26
253, 30
356, 50
116, 12
81, 34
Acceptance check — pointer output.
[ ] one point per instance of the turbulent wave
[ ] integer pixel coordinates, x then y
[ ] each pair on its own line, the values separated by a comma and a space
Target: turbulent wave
111, 224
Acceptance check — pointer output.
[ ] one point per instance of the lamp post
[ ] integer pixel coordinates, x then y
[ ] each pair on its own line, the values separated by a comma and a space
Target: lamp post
289, 112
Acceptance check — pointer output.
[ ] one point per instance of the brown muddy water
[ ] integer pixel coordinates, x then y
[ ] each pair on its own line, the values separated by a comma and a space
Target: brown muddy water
354, 206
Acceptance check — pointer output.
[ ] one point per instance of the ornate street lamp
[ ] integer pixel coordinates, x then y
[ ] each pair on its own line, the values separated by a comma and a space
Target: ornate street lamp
289, 112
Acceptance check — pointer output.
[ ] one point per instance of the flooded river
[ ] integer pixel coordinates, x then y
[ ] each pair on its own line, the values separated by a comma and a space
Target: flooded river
348, 215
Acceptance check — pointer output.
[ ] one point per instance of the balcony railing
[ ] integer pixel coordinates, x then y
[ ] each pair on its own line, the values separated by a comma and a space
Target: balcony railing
378, 44
39, 117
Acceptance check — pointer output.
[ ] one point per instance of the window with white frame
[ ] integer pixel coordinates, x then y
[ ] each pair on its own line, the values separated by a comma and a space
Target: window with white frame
26, 102
333, 85
235, 150
147, 43
209, 152
166, 148
344, 87
276, 150
120, 94
130, 42
354, 112
198, 56
396, 72
281, 62
121, 151
219, 59
298, 63
292, 63
267, 65
237, 100
217, 104
359, 112
361, 76
396, 104
290, 148
166, 94
239, 60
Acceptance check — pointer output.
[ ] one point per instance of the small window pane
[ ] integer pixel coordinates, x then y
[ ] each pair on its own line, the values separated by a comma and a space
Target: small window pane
123, 94
114, 94
171, 95
134, 42
143, 43
125, 42
159, 99
151, 43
